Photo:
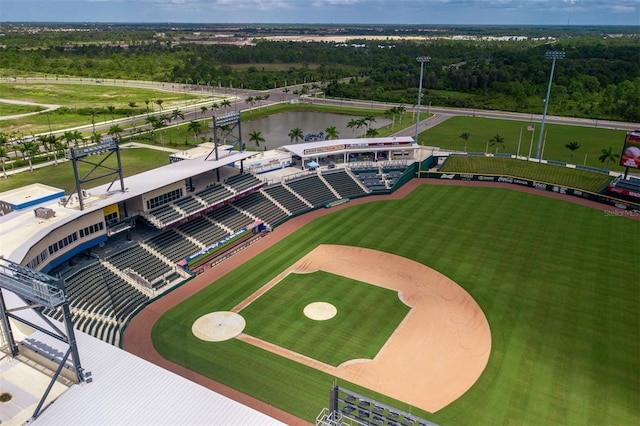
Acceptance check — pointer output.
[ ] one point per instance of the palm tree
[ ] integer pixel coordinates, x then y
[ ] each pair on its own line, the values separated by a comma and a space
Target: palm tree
115, 131
296, 134
176, 113
372, 132
159, 102
258, 99
497, 140
96, 137
250, 101
465, 136
203, 110
93, 114
331, 133
361, 122
400, 110
132, 105
572, 146
195, 127
608, 155
29, 150
391, 114
226, 103
146, 102
352, 124
112, 111
215, 107
369, 119
3, 156
256, 137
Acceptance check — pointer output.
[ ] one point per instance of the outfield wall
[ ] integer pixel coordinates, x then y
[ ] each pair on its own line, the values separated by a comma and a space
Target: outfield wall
543, 186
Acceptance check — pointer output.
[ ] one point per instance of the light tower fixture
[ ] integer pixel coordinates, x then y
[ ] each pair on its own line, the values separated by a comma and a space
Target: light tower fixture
421, 60
553, 55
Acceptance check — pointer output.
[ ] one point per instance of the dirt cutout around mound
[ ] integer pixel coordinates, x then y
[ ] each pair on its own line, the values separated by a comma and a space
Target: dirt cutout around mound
437, 352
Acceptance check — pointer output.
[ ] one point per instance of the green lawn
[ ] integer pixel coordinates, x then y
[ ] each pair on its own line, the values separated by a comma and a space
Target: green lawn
134, 161
556, 281
74, 97
11, 109
592, 140
547, 173
353, 333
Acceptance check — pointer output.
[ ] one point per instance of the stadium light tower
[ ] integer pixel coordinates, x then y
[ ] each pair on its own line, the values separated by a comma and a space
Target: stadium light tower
553, 55
422, 60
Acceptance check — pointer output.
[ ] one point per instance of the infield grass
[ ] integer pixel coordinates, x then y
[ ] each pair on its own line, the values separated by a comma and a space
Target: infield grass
367, 316
556, 281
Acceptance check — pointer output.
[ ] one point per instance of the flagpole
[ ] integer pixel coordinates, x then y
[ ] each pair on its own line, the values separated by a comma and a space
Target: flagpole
519, 140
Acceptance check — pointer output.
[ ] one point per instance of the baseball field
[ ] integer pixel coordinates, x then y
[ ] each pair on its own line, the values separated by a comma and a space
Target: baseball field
540, 296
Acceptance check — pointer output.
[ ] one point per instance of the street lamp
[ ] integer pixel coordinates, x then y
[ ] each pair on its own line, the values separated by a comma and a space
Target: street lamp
553, 55
422, 60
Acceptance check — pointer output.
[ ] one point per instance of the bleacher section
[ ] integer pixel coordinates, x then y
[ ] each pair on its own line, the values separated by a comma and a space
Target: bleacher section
203, 230
261, 207
312, 189
343, 183
287, 199
172, 245
214, 194
230, 217
165, 214
373, 180
189, 205
141, 261
99, 300
243, 182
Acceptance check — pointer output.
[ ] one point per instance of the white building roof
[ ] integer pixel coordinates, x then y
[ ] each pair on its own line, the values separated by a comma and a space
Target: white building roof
340, 146
20, 230
128, 390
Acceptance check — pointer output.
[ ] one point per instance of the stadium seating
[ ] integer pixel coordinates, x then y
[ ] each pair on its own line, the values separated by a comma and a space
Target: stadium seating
189, 205
262, 208
312, 189
141, 261
214, 194
166, 214
343, 183
203, 230
172, 245
287, 199
243, 182
230, 217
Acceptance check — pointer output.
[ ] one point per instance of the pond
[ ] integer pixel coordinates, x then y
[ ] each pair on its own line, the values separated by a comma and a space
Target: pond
275, 128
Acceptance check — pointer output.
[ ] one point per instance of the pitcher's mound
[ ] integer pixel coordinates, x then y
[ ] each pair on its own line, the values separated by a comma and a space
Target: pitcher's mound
320, 311
218, 326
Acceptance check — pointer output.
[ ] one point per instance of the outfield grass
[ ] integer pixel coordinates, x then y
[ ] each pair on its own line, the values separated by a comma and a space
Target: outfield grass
592, 140
547, 173
556, 281
353, 333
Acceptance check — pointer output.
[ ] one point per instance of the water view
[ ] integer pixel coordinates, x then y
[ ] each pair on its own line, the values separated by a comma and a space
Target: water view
275, 128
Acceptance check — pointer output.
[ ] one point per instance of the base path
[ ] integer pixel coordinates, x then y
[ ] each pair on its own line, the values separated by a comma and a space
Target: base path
137, 336
435, 354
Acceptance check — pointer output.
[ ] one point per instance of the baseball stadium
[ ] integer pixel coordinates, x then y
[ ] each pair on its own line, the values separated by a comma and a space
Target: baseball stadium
354, 281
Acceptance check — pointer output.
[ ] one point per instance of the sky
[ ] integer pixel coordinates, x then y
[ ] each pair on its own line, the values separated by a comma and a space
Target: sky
411, 12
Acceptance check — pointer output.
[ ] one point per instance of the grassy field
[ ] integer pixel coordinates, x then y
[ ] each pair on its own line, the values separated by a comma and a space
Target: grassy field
11, 109
547, 173
75, 97
134, 161
277, 317
562, 307
482, 130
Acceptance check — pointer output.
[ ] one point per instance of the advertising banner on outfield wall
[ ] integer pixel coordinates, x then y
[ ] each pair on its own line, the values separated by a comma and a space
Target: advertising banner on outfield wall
631, 150
532, 184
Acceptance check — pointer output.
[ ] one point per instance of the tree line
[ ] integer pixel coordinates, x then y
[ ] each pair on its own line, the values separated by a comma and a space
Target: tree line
599, 77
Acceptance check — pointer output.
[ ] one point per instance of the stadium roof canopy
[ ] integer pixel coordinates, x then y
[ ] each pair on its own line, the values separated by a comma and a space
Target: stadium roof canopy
342, 146
20, 230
